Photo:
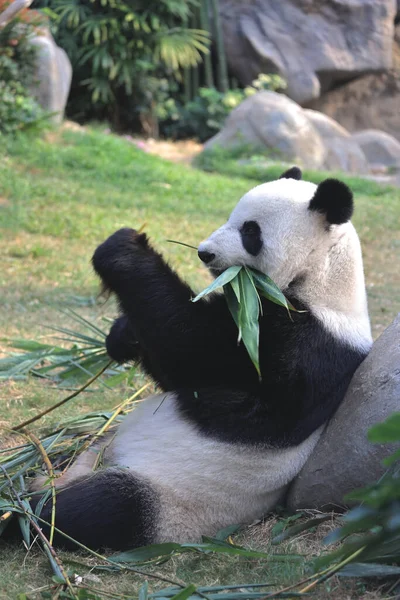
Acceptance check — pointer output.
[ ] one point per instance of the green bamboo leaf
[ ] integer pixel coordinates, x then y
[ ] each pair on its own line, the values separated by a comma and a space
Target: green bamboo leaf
222, 534
388, 431
185, 593
146, 553
233, 302
369, 570
249, 312
299, 528
269, 289
222, 280
393, 458
144, 591
235, 287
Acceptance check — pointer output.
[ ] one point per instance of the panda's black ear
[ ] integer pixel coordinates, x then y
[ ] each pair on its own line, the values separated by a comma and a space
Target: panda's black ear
292, 173
334, 199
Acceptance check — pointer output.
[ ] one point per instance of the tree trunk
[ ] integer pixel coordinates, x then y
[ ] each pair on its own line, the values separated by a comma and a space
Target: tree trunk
205, 25
222, 68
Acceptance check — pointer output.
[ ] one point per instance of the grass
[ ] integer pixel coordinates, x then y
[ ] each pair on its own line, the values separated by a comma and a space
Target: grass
62, 195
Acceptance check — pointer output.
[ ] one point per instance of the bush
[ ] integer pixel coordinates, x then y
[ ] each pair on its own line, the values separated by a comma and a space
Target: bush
18, 110
204, 116
117, 47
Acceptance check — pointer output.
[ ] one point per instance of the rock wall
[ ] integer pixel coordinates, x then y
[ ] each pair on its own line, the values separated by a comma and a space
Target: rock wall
372, 101
314, 44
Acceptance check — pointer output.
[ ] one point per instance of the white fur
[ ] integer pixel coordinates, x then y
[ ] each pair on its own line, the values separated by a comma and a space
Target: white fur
296, 242
211, 483
204, 485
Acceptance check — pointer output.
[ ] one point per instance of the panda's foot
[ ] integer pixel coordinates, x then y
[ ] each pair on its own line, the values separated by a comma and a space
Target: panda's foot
111, 508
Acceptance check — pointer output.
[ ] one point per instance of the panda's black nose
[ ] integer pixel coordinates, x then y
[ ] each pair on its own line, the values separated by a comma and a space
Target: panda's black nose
205, 256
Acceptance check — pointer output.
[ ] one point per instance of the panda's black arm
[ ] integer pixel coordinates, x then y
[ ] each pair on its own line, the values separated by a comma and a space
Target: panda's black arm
182, 343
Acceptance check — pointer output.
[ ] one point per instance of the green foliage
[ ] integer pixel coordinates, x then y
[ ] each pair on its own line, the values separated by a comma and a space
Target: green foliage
205, 115
66, 367
116, 46
243, 287
18, 110
370, 534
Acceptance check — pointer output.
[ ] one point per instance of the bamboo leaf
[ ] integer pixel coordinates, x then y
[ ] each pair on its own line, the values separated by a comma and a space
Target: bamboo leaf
249, 311
145, 553
185, 593
144, 591
222, 280
233, 303
388, 431
299, 528
369, 570
269, 289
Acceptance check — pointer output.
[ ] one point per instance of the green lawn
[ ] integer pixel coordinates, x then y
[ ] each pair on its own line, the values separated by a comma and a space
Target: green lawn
62, 195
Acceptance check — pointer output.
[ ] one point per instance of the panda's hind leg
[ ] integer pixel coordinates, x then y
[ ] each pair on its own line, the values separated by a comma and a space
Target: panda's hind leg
112, 508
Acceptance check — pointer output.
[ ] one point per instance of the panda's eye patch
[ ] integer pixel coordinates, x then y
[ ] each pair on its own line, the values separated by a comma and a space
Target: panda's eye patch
250, 233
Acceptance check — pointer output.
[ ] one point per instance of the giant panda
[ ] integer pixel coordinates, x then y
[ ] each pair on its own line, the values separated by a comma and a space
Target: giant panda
218, 446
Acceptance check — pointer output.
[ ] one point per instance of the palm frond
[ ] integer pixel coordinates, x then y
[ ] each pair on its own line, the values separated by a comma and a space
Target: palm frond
181, 47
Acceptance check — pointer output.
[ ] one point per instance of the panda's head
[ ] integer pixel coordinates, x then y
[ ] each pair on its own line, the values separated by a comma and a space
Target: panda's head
300, 235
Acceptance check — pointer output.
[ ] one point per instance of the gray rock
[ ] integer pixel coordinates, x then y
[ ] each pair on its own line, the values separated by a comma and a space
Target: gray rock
52, 77
272, 121
314, 44
368, 102
379, 147
342, 153
12, 10
344, 459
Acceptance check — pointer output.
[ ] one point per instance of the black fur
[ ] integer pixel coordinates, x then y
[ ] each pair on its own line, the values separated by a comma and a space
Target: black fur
250, 233
192, 348
110, 509
334, 199
120, 342
292, 173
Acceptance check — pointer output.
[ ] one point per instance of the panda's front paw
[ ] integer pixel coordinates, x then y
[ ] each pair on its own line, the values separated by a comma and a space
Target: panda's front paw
121, 343
118, 254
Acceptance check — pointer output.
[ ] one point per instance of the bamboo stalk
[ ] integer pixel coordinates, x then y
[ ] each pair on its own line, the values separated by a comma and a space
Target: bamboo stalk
195, 23
52, 476
114, 415
223, 82
64, 401
205, 25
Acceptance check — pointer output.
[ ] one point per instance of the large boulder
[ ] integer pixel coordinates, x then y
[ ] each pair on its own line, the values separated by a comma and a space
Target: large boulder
369, 102
53, 76
342, 152
272, 121
313, 44
275, 125
344, 459
379, 147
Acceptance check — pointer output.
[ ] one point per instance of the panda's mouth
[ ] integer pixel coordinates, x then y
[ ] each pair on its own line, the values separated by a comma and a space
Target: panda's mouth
215, 272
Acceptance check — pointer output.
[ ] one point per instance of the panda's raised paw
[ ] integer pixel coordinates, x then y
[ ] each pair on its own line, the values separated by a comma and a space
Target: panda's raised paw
114, 256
